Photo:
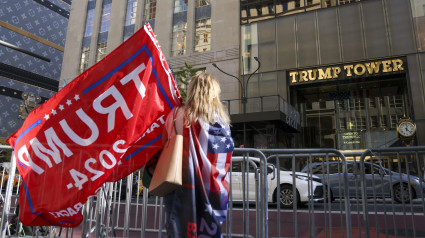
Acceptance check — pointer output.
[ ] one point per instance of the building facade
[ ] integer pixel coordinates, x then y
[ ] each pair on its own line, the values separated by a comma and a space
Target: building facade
294, 73
32, 40
198, 32
352, 69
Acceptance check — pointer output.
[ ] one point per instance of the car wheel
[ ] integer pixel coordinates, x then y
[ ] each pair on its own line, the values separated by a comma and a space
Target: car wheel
401, 193
286, 197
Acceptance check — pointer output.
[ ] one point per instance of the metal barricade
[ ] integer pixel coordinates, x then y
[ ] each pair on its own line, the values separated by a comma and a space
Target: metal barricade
302, 180
393, 188
321, 193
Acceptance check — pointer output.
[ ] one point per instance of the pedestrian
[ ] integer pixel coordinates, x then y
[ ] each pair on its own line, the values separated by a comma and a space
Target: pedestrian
199, 207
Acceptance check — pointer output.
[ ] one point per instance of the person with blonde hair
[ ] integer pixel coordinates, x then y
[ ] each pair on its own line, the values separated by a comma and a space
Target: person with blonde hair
199, 207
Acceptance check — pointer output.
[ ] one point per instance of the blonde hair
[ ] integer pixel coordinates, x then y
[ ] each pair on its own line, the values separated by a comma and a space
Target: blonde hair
203, 101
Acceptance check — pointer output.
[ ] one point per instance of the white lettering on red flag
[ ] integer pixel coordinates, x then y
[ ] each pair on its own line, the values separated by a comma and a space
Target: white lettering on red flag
100, 127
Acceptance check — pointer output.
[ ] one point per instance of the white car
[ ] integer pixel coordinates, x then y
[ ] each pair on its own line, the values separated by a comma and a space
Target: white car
304, 184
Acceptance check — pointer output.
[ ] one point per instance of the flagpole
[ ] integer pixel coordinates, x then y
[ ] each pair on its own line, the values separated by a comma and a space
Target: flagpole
8, 196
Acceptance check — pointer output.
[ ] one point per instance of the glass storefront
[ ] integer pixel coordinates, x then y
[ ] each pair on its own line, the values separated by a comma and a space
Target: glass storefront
359, 114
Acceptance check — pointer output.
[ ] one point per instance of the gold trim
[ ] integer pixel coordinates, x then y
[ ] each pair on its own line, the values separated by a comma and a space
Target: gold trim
29, 35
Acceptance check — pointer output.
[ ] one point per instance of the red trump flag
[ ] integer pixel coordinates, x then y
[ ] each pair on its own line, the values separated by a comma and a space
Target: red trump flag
100, 127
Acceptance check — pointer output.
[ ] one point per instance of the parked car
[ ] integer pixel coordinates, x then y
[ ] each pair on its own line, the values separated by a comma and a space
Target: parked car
304, 184
379, 181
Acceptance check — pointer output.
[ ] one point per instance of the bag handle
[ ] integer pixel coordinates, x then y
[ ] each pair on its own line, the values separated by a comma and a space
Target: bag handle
175, 118
174, 124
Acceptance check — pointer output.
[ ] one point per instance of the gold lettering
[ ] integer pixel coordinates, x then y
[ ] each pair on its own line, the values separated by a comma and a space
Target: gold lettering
356, 69
336, 70
386, 67
310, 76
303, 76
397, 65
293, 76
348, 68
373, 67
325, 75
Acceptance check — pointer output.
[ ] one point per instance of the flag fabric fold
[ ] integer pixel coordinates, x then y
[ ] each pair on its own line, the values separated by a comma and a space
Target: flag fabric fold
100, 127
199, 208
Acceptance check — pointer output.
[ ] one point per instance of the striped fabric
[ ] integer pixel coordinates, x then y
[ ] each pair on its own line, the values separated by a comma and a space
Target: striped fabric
200, 207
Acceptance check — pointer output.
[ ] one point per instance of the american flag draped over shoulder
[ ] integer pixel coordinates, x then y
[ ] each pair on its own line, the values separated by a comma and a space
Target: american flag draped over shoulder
200, 206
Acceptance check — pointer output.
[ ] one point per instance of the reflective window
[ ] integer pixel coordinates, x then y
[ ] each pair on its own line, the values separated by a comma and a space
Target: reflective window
418, 9
201, 3
89, 23
180, 6
371, 169
331, 168
384, 123
202, 35
237, 167
150, 10
179, 39
106, 18
374, 122
394, 121
256, 10
130, 17
331, 120
101, 51
395, 101
249, 48
84, 62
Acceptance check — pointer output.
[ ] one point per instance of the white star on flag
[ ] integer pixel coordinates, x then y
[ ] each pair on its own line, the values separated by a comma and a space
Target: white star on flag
76, 97
61, 107
215, 146
46, 116
223, 139
54, 112
68, 102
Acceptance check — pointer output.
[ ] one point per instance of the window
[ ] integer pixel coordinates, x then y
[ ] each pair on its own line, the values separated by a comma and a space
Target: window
237, 167
371, 169
351, 104
396, 101
255, 10
374, 122
351, 123
372, 102
101, 51
334, 168
356, 104
394, 120
202, 35
201, 3
340, 104
361, 123
342, 123
150, 10
179, 39
180, 6
89, 23
384, 123
130, 17
381, 102
106, 18
84, 63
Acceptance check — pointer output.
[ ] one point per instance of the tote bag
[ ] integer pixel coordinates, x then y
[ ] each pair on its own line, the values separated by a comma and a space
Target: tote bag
168, 172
